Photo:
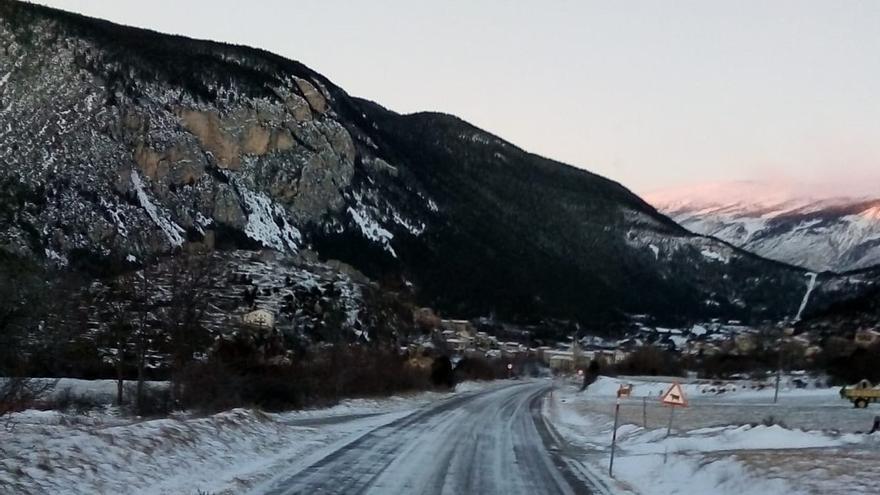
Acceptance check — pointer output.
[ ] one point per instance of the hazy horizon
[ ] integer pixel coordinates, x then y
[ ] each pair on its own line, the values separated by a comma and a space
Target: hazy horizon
654, 95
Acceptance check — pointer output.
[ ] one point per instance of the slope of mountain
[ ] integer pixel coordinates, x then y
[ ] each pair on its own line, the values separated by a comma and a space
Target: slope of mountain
849, 314
814, 231
120, 143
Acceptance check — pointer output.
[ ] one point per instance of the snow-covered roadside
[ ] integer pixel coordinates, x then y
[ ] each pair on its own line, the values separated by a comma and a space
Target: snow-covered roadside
725, 458
52, 452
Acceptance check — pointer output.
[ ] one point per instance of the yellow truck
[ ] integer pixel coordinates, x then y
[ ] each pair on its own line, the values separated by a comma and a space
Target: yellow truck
861, 394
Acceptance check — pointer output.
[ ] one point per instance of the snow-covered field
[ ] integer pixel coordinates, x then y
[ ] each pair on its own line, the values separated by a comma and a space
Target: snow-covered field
723, 443
102, 452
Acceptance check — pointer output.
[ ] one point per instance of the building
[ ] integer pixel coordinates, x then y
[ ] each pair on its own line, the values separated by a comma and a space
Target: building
866, 337
745, 343
457, 345
511, 347
460, 327
561, 361
260, 318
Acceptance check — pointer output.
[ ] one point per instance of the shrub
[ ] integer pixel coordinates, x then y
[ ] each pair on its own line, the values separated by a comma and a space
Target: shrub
475, 368
319, 378
154, 401
18, 393
442, 374
67, 400
861, 364
651, 361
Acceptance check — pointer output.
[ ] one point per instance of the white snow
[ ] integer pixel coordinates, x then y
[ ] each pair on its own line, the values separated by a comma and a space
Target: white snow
715, 256
226, 453
698, 330
719, 444
799, 224
116, 214
264, 217
810, 286
172, 231
412, 227
371, 229
57, 257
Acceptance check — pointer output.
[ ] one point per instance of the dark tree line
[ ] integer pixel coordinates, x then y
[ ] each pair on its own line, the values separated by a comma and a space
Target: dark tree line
133, 325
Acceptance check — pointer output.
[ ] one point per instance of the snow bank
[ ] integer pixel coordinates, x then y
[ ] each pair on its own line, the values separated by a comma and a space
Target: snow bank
650, 475
230, 452
47, 454
640, 441
654, 463
731, 459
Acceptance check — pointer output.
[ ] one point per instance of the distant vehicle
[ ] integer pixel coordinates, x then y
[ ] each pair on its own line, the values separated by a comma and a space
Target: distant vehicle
861, 394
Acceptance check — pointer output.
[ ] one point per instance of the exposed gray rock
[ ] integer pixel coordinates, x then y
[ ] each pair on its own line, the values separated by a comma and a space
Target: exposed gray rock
84, 119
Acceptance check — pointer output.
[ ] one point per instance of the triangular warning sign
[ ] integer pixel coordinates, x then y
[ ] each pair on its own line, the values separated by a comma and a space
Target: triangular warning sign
674, 396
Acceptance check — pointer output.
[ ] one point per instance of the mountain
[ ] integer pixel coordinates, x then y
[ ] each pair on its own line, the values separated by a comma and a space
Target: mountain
121, 145
781, 222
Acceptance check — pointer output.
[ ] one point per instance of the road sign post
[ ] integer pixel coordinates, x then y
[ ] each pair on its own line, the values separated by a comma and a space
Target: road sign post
614, 439
645, 413
674, 397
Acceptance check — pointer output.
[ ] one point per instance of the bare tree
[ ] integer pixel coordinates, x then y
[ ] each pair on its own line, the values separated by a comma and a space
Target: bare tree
143, 306
21, 287
193, 278
18, 392
117, 336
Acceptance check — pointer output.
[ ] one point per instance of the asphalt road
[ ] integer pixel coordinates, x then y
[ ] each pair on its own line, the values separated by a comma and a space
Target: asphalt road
492, 442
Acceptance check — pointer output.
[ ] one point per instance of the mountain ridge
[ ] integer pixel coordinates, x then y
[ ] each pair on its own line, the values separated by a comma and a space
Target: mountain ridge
133, 144
820, 232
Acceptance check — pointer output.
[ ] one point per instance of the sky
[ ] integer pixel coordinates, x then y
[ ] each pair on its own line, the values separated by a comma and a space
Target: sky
654, 94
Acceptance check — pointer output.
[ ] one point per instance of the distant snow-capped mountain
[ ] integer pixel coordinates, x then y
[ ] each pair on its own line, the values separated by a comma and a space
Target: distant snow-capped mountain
790, 223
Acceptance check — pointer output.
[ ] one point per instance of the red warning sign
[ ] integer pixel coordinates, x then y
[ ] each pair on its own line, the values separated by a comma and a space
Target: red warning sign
674, 396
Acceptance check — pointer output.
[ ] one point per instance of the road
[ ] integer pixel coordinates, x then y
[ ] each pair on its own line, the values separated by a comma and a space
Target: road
487, 443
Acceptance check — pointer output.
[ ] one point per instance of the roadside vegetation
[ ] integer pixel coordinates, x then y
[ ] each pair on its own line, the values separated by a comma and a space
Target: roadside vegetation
140, 332
839, 359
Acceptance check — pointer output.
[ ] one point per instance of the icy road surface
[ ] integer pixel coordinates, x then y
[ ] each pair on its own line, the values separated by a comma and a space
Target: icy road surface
486, 442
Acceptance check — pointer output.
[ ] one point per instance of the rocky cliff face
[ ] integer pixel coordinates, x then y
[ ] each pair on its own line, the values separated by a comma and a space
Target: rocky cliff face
119, 143
106, 153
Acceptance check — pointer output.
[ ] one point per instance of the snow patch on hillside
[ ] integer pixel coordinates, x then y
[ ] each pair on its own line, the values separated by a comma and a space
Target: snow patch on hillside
789, 224
365, 217
715, 255
172, 231
267, 222
371, 229
413, 228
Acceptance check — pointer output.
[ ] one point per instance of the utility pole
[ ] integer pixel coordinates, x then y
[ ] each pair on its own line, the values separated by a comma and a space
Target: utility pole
778, 375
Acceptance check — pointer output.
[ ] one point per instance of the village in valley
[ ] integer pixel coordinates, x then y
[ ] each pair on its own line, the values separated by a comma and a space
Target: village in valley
485, 338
